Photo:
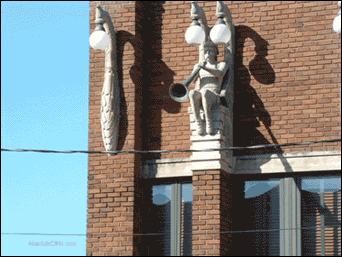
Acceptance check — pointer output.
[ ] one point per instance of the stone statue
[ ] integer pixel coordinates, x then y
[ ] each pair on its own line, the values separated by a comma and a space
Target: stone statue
208, 89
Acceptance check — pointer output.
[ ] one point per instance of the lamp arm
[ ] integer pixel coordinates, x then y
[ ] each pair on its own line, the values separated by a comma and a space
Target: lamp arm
227, 90
110, 96
197, 13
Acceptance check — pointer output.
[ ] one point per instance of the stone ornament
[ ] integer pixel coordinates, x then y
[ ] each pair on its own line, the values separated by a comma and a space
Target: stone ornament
110, 96
210, 87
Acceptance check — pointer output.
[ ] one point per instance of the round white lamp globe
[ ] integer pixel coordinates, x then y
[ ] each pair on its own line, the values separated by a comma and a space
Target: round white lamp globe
220, 34
194, 35
99, 40
337, 24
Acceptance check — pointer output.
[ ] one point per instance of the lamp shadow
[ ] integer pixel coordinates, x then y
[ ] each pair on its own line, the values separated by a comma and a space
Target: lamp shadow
122, 37
249, 109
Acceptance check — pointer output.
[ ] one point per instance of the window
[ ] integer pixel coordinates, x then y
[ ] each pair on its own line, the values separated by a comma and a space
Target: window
321, 214
167, 220
261, 208
293, 215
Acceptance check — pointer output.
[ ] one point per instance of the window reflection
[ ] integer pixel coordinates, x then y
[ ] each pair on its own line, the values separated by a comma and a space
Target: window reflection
186, 223
158, 220
331, 184
321, 216
262, 218
255, 188
161, 194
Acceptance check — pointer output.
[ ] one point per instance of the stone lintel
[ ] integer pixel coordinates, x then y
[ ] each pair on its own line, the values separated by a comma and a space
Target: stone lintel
288, 162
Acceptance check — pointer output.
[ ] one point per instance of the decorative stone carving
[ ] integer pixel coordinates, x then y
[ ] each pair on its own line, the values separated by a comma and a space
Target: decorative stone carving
222, 125
211, 112
211, 85
207, 93
110, 96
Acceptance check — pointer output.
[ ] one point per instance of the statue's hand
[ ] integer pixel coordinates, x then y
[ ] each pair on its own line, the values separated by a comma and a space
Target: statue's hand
223, 98
223, 93
202, 63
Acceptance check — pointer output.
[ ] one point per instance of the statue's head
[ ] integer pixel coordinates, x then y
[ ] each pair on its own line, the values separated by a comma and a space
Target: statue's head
210, 51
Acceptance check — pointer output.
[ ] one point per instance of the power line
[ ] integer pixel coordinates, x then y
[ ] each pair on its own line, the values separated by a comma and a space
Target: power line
170, 151
163, 234
41, 234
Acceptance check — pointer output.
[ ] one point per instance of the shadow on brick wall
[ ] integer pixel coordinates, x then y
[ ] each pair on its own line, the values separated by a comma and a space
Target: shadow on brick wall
152, 79
249, 109
155, 76
122, 38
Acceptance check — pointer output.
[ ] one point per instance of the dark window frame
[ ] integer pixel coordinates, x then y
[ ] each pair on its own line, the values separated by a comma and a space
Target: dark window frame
176, 205
290, 205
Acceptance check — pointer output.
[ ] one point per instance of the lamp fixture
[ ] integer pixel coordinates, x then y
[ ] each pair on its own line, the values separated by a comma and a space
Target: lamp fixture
195, 35
220, 34
337, 21
199, 31
99, 39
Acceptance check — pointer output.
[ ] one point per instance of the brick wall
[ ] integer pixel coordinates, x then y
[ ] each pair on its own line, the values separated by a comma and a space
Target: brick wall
212, 212
287, 72
111, 194
287, 84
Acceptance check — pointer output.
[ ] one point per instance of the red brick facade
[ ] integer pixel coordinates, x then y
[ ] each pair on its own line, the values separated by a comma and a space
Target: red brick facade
287, 89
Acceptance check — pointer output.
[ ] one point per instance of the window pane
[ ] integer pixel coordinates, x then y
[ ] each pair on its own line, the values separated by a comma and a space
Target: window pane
161, 194
321, 216
187, 192
255, 188
159, 222
261, 218
331, 184
186, 232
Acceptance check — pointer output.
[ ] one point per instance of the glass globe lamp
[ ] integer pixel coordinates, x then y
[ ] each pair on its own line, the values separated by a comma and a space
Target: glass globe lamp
220, 33
194, 35
99, 39
337, 24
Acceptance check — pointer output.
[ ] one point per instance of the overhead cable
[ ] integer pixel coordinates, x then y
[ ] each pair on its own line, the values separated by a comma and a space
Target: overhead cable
163, 234
170, 151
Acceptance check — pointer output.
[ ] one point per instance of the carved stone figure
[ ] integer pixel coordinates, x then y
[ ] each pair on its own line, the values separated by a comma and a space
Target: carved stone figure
208, 90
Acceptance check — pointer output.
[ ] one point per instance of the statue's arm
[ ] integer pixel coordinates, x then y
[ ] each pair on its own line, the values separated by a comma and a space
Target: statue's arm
218, 72
195, 80
225, 68
225, 85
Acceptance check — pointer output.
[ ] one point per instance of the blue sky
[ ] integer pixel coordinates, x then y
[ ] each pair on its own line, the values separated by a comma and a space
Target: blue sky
44, 105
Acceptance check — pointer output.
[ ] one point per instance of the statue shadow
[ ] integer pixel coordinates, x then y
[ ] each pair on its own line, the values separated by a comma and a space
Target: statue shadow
249, 109
152, 79
151, 76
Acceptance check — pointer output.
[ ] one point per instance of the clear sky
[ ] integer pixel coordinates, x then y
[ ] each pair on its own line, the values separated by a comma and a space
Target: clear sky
44, 105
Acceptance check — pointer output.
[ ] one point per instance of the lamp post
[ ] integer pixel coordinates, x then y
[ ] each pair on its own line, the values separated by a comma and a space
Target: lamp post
104, 38
221, 86
197, 33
